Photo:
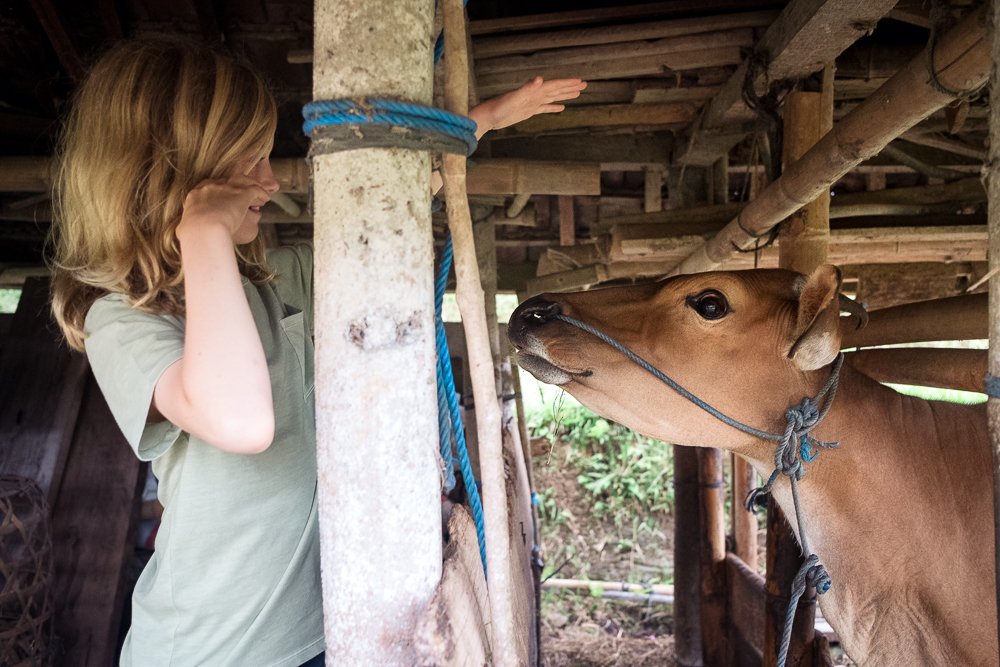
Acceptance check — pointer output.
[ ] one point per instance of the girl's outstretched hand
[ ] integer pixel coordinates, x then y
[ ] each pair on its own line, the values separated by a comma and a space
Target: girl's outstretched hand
535, 97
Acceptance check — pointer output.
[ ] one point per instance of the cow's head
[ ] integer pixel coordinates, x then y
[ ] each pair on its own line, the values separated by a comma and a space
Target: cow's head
750, 343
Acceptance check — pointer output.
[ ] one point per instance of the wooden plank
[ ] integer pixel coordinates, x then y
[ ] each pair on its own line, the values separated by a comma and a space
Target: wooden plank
40, 394
653, 189
491, 47
511, 177
619, 68
744, 523
806, 35
584, 147
645, 47
611, 115
746, 601
93, 532
625, 12
567, 221
454, 630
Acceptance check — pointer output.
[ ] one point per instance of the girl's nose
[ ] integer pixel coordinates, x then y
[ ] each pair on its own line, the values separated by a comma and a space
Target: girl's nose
266, 177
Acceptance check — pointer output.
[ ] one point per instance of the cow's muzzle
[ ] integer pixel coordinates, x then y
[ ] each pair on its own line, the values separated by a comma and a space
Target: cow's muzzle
530, 315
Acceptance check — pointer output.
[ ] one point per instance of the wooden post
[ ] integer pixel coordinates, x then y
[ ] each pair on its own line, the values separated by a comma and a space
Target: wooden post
714, 633
687, 558
802, 245
472, 305
744, 522
379, 486
567, 221
653, 189
993, 362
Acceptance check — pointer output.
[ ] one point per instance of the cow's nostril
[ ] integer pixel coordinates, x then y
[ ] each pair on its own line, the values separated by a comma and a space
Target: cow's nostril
541, 312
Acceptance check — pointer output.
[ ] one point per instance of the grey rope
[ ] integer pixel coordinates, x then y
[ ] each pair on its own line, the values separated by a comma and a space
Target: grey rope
794, 448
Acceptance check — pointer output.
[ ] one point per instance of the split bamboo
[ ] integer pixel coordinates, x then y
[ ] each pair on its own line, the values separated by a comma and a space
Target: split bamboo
378, 474
962, 62
471, 304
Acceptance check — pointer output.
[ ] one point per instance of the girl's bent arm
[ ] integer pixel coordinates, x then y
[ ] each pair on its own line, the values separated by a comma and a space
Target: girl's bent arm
220, 390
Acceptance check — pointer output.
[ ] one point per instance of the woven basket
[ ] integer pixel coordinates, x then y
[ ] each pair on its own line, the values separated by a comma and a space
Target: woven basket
25, 574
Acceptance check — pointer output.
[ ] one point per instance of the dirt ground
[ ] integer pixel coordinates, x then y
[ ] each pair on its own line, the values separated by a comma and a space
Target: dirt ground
581, 630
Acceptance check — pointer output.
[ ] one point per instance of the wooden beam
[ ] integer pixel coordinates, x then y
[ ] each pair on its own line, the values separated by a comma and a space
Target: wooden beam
603, 15
646, 147
491, 47
612, 115
619, 68
746, 604
643, 47
807, 34
957, 318
926, 367
963, 63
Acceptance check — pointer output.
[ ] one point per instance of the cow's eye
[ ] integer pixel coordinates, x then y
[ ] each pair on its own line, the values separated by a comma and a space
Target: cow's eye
709, 304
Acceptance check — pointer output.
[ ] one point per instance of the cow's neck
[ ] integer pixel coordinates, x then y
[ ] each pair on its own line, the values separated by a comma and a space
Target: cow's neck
904, 499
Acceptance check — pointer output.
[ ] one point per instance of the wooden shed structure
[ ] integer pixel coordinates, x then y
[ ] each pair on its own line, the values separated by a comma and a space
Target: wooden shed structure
713, 133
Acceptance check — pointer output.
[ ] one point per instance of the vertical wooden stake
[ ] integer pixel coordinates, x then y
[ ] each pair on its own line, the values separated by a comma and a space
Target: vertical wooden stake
567, 221
714, 633
653, 189
744, 522
472, 305
378, 477
687, 558
993, 193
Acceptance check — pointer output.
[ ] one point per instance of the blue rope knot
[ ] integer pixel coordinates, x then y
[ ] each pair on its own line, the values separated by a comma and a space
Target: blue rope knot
410, 125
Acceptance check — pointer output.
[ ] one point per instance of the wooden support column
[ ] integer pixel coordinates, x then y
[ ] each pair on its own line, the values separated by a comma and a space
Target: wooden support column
993, 360
379, 486
714, 633
567, 221
687, 558
653, 189
744, 522
507, 644
802, 244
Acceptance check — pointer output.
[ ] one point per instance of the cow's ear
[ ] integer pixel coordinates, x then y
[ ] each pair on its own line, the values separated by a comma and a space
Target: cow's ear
816, 337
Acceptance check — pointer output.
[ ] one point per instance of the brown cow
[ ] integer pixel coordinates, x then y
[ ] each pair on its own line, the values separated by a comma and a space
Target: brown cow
900, 514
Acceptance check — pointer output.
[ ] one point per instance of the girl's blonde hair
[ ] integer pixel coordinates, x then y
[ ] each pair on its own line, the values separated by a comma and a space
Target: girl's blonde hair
150, 122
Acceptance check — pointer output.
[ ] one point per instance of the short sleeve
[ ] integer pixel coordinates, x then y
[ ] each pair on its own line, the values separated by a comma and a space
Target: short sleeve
294, 283
128, 351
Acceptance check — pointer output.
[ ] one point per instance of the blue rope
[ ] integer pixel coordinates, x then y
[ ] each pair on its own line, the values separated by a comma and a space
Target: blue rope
447, 394
794, 447
394, 113
992, 386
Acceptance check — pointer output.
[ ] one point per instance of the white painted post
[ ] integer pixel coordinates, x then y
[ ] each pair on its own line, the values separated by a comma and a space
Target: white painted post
376, 411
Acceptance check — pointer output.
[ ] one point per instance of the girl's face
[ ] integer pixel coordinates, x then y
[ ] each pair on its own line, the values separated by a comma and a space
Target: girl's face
257, 166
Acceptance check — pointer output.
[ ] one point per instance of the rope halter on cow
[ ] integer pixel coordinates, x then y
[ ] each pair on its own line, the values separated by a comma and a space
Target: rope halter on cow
795, 447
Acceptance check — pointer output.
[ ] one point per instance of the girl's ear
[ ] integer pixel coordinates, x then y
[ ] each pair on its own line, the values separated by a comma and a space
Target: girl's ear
816, 336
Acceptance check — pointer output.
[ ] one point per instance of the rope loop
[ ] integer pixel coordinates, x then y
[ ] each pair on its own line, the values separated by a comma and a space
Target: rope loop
811, 573
336, 125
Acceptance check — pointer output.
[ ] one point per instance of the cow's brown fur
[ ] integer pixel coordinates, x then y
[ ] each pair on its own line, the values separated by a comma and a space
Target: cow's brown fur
901, 514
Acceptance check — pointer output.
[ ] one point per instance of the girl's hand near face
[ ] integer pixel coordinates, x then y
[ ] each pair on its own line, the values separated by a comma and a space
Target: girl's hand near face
225, 202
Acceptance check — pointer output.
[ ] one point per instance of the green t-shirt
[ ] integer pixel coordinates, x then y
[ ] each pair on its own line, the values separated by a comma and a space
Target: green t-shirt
234, 579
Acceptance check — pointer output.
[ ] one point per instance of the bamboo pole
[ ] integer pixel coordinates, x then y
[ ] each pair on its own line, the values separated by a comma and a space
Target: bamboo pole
471, 304
962, 317
924, 366
378, 476
962, 61
993, 360
687, 558
714, 632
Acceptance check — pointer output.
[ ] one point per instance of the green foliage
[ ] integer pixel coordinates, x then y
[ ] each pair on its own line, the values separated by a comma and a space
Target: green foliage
628, 476
9, 299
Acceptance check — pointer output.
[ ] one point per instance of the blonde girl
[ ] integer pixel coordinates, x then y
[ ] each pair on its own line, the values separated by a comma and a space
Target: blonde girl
201, 345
